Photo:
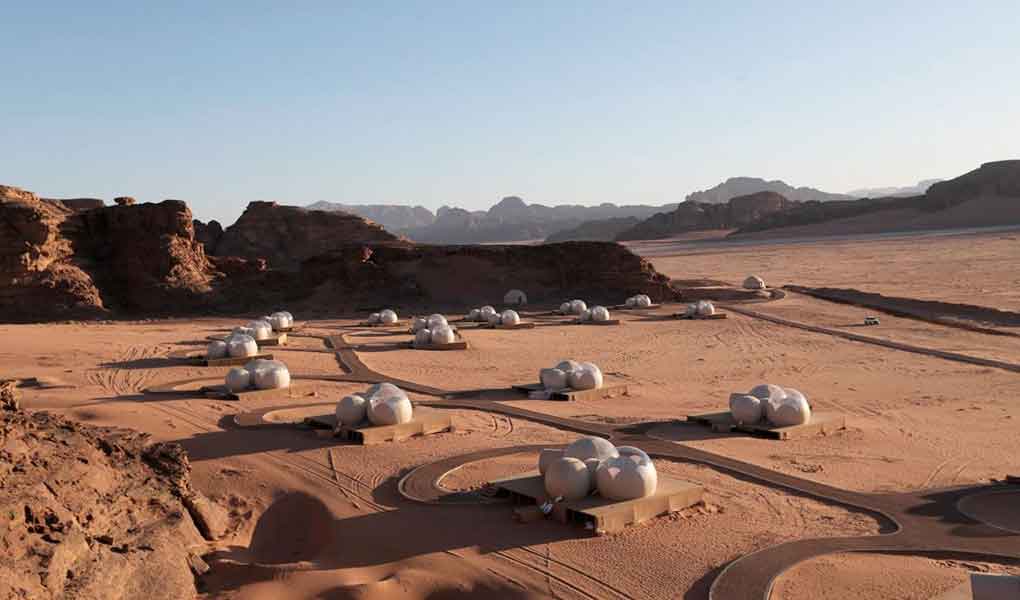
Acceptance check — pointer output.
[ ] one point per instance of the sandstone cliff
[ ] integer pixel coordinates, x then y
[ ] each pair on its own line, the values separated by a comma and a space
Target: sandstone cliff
287, 235
57, 263
697, 216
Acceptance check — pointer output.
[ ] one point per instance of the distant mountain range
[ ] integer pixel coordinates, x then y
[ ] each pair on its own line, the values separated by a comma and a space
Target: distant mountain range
394, 217
887, 192
742, 186
509, 220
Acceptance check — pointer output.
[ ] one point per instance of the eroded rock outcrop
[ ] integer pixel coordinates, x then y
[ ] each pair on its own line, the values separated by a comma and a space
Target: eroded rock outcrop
37, 276
287, 235
85, 513
698, 216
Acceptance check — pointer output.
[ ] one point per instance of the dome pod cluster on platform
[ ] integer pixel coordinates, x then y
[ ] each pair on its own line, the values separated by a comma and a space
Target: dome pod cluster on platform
569, 374
639, 301
594, 464
381, 404
772, 404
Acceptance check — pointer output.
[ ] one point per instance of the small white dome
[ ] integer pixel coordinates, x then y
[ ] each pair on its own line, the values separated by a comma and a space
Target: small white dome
486, 311
586, 377
643, 301
388, 317
375, 318
436, 321
351, 410
271, 375
510, 317
515, 298
495, 319
568, 365
567, 478
280, 320
216, 349
566, 308
553, 379
578, 306
631, 302
600, 313
423, 337
262, 330
388, 405
240, 346
418, 324
771, 396
746, 408
238, 379
548, 456
753, 282
623, 478
586, 315
474, 315
705, 308
590, 447
443, 335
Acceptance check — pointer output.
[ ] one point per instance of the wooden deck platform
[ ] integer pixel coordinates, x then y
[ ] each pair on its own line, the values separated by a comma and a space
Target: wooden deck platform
220, 392
625, 307
699, 318
423, 423
606, 391
197, 357
609, 322
527, 325
821, 423
278, 339
599, 514
458, 345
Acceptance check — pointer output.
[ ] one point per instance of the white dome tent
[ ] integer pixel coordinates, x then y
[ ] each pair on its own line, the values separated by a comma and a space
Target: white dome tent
594, 465
515, 297
753, 282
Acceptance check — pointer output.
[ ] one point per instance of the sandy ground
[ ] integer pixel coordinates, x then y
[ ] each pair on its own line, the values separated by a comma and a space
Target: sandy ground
886, 576
318, 519
970, 269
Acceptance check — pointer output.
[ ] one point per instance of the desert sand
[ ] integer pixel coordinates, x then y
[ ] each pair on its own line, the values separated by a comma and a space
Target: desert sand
315, 518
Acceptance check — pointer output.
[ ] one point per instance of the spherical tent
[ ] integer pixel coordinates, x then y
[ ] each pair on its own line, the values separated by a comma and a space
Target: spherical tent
753, 282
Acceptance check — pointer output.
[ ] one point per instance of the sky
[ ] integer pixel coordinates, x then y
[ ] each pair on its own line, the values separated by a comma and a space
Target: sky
461, 103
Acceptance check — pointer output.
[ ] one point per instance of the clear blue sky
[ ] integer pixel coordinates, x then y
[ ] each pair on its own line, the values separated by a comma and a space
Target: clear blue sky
219, 103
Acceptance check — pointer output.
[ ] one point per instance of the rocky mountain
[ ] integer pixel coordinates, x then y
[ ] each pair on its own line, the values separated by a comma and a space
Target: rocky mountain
742, 186
287, 235
513, 220
393, 217
987, 196
697, 216
884, 192
150, 259
604, 230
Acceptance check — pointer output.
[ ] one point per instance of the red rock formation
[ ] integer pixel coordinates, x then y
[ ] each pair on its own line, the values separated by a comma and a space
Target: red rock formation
85, 513
287, 235
37, 277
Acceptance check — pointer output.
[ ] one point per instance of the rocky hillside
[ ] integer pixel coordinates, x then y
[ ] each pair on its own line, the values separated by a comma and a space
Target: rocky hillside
696, 216
602, 231
742, 186
985, 197
287, 235
393, 217
56, 262
94, 514
885, 192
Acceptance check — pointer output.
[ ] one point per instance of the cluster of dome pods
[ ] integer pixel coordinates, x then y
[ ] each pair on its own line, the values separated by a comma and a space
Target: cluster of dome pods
258, 374
243, 341
432, 330
571, 375
592, 464
488, 314
779, 406
381, 404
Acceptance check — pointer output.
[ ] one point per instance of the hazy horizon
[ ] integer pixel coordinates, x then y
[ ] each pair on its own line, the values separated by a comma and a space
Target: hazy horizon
462, 104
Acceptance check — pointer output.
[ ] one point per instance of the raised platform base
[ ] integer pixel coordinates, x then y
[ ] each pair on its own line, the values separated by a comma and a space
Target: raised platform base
278, 339
367, 434
517, 326
197, 358
606, 391
821, 424
625, 307
599, 514
609, 322
458, 345
698, 317
220, 392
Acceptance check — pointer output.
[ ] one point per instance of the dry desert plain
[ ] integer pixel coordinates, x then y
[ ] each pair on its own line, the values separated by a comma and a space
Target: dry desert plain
315, 518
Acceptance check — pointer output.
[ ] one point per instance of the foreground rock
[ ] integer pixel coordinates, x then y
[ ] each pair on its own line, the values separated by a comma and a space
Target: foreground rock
90, 513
